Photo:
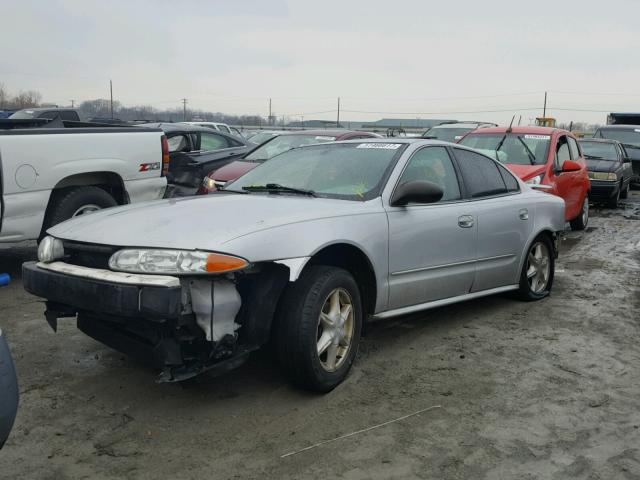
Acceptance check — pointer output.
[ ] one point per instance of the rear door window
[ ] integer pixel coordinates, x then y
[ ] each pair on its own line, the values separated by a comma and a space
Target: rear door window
481, 175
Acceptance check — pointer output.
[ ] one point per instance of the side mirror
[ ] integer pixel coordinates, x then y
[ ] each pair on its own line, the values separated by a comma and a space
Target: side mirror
571, 166
416, 191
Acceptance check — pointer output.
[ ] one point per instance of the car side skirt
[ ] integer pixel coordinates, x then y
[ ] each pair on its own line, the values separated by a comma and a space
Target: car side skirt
445, 301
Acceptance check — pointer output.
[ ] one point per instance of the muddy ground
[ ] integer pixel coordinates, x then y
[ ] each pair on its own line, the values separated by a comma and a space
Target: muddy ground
546, 390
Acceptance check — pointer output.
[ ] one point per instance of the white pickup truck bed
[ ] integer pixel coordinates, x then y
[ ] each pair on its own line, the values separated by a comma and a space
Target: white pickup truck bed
46, 172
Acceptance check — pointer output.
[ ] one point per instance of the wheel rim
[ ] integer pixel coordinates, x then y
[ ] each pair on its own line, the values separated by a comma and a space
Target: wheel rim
585, 211
83, 210
538, 267
335, 329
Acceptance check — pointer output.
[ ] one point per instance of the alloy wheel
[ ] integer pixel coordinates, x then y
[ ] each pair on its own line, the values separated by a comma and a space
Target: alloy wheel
85, 209
538, 267
335, 329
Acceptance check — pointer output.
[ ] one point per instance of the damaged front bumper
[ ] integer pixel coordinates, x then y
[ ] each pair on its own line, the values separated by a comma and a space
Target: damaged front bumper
183, 326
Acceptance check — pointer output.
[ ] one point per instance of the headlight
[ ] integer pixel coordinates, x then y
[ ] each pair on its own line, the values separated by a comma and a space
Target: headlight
537, 180
50, 249
603, 176
174, 262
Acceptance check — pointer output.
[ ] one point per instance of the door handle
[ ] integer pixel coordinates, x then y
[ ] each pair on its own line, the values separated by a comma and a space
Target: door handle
465, 221
523, 214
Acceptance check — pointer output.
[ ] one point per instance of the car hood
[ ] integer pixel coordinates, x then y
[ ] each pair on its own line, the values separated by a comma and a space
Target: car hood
595, 165
233, 170
207, 222
525, 172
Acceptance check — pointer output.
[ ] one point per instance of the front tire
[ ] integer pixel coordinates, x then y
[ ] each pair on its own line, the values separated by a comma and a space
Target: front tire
538, 269
624, 192
613, 202
318, 329
581, 221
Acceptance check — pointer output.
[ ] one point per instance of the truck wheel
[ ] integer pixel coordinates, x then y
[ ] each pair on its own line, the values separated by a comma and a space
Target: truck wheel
318, 329
581, 221
538, 270
624, 192
77, 201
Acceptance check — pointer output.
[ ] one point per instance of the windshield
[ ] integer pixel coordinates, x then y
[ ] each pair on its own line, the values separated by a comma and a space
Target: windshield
348, 171
262, 137
518, 149
283, 143
628, 136
23, 114
604, 151
447, 134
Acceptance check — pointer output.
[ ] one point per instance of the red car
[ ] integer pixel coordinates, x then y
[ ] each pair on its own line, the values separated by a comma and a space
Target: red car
546, 158
272, 147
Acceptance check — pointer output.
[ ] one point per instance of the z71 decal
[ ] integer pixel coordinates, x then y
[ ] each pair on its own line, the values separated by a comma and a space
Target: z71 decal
145, 167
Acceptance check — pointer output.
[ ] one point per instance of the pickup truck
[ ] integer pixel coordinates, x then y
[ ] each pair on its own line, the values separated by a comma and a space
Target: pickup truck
48, 175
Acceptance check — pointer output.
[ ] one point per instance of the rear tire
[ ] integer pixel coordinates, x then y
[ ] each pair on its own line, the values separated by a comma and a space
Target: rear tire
321, 309
581, 221
78, 201
538, 269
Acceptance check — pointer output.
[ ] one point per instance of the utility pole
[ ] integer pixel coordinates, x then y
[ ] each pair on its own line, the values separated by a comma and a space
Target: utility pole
338, 118
269, 118
544, 110
72, 104
184, 109
111, 95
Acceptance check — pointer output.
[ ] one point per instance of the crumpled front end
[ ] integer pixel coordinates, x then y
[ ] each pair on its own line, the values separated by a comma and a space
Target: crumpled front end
183, 325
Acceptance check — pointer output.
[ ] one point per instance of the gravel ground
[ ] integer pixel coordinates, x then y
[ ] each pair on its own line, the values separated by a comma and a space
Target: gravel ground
545, 390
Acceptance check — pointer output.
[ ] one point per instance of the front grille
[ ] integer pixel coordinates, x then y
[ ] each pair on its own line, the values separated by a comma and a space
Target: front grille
88, 254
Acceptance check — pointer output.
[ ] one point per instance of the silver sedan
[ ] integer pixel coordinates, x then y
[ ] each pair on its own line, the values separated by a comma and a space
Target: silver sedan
301, 250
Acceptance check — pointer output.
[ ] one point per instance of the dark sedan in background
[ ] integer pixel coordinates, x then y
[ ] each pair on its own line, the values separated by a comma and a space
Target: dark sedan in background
195, 151
629, 137
609, 170
279, 143
8, 391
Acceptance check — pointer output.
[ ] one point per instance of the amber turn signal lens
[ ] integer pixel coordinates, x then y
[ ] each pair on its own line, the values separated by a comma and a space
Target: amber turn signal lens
217, 262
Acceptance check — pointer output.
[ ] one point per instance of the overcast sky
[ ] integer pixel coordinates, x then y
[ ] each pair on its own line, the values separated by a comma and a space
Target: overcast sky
404, 59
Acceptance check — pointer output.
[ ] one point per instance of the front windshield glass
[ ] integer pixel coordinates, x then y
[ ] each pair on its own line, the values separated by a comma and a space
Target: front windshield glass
629, 136
283, 143
599, 150
517, 149
23, 114
447, 134
261, 137
348, 171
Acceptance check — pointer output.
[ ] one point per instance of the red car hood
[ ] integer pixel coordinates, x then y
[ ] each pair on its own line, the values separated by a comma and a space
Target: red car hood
525, 172
233, 170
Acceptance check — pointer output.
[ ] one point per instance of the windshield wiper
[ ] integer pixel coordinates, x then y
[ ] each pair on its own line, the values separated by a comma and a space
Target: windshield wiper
532, 157
593, 157
499, 146
277, 188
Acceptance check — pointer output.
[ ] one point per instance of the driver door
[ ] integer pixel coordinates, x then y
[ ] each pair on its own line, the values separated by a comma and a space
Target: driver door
431, 247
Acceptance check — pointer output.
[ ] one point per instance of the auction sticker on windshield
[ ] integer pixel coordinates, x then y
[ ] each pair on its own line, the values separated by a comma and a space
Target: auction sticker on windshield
538, 137
386, 146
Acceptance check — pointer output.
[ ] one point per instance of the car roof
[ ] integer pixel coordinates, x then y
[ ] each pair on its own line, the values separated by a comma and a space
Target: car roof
403, 140
176, 127
533, 130
45, 109
335, 132
462, 125
598, 140
619, 127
